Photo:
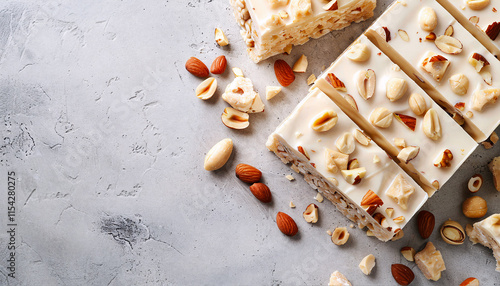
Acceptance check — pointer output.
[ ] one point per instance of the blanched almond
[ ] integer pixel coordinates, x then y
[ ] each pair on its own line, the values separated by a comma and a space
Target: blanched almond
218, 155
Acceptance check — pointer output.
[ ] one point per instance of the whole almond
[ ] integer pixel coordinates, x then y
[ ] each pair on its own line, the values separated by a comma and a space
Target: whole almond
218, 155
471, 281
402, 274
284, 73
286, 224
196, 67
426, 222
247, 173
261, 192
218, 65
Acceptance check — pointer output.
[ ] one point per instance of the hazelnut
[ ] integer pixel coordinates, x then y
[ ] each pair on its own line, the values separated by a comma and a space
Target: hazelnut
475, 183
474, 207
340, 236
459, 84
311, 213
427, 19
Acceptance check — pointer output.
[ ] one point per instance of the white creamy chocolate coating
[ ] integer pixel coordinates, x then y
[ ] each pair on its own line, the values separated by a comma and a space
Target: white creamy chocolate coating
491, 225
403, 15
453, 136
296, 131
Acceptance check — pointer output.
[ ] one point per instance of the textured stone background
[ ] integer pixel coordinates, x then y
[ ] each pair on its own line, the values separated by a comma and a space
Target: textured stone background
101, 125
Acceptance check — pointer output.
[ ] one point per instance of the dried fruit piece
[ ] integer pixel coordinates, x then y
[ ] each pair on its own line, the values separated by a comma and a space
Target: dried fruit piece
300, 65
402, 274
483, 97
477, 4
475, 183
430, 262
381, 117
408, 153
452, 232
358, 53
366, 265
431, 125
400, 191
235, 119
371, 199
478, 61
345, 143
449, 45
396, 88
435, 65
286, 224
335, 82
272, 91
311, 213
247, 173
474, 207
361, 137
218, 155
404, 36
340, 236
324, 121
335, 161
417, 104
284, 73
443, 159
206, 89
493, 30
218, 65
408, 121
196, 67
331, 6
425, 223
221, 38
427, 19
459, 84
366, 83
354, 176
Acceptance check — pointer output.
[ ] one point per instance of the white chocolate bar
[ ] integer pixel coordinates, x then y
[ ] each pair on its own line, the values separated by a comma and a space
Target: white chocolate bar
271, 27
487, 232
486, 16
296, 133
453, 137
401, 19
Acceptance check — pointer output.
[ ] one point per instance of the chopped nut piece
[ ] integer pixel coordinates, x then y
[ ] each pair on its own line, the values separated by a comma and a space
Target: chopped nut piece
494, 167
335, 161
369, 233
431, 37
396, 88
292, 205
443, 159
408, 153
235, 119
475, 183
398, 234
435, 65
399, 219
311, 213
366, 83
300, 8
353, 164
478, 61
351, 101
335, 82
399, 142
311, 79
408, 121
371, 199
340, 236
474, 207
427, 19
329, 232
474, 20
484, 97
431, 125
361, 137
458, 118
300, 65
449, 31
337, 278
206, 89
345, 143
452, 232
471, 281
404, 35
288, 49
354, 176
493, 30
358, 53
381, 117
376, 159
486, 75
430, 262
304, 152
241, 96
417, 104
331, 6
238, 72
275, 20
333, 181
272, 91
389, 212
384, 33
408, 253
319, 198
290, 177
366, 265
477, 4
448, 45
459, 84
400, 191
324, 121
277, 3
220, 38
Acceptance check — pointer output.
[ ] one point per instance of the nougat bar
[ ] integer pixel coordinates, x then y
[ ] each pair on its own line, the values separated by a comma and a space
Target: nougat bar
487, 233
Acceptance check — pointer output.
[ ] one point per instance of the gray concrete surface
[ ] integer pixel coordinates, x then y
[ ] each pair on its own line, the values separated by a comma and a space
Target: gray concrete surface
100, 124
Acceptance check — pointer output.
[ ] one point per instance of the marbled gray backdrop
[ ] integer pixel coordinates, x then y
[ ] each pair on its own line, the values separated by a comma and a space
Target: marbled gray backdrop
101, 125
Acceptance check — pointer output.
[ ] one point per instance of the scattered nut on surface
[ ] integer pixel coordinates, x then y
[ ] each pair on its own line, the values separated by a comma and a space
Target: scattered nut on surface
452, 232
427, 19
475, 183
431, 124
474, 207
319, 197
366, 83
359, 53
272, 91
396, 88
218, 155
286, 224
237, 72
311, 213
408, 153
247, 173
340, 236
324, 121
366, 265
417, 104
241, 96
477, 4
443, 159
261, 192
337, 278
292, 205
290, 177
459, 84
430, 262
206, 89
402, 274
311, 79
235, 119
425, 223
381, 117
494, 167
300, 65
408, 253
471, 281
221, 38
345, 143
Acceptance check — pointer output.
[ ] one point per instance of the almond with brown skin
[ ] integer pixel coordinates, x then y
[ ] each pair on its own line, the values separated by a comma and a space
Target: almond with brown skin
426, 222
261, 192
371, 199
471, 281
286, 224
196, 67
408, 121
284, 73
493, 30
218, 65
336, 82
247, 173
402, 274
